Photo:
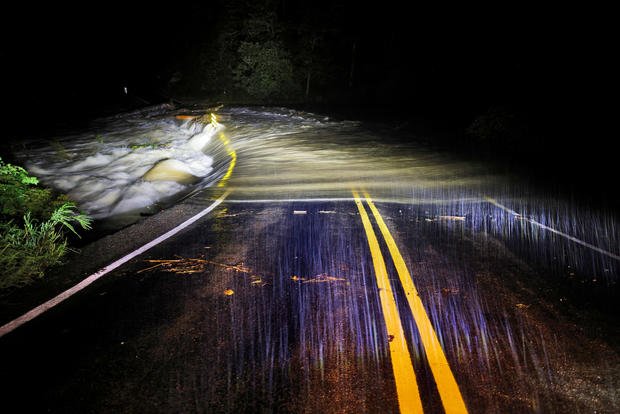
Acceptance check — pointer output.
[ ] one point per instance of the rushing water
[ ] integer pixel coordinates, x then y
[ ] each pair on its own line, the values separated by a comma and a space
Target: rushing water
309, 299
134, 164
131, 164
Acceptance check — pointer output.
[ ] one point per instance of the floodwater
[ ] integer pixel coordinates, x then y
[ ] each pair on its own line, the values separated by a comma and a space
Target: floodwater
272, 304
126, 167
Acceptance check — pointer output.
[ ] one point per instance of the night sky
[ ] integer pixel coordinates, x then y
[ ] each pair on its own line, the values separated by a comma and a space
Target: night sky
552, 65
479, 55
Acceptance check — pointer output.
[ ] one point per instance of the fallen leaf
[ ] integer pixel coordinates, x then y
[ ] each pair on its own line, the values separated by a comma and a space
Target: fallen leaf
449, 291
322, 278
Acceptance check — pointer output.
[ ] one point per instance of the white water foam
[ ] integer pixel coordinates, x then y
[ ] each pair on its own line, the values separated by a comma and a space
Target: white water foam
126, 165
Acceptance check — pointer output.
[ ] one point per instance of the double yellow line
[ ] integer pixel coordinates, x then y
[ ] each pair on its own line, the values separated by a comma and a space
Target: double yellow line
406, 385
233, 158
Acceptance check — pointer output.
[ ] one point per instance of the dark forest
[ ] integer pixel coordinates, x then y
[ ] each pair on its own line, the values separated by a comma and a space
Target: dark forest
517, 79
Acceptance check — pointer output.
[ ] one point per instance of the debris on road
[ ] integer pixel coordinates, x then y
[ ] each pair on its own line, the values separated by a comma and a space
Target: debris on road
194, 265
451, 218
321, 278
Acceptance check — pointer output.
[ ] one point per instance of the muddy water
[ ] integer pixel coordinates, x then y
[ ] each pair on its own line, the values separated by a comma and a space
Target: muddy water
129, 166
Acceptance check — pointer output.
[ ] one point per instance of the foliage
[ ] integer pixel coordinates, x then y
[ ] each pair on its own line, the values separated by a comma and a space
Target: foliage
67, 214
216, 65
61, 151
313, 68
20, 194
27, 251
33, 227
249, 57
16, 174
264, 70
151, 145
499, 127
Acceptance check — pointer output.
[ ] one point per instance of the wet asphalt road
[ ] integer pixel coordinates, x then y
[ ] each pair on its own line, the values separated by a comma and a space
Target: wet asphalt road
292, 297
281, 312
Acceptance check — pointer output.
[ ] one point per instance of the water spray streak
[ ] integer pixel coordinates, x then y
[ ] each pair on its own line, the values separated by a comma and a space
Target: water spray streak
552, 230
30, 315
406, 384
446, 384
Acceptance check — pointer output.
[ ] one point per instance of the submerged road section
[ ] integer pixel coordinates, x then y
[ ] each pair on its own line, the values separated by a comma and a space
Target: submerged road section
333, 269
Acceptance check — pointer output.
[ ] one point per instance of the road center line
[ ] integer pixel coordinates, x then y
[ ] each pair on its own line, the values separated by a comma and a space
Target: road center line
406, 385
233, 159
33, 313
449, 392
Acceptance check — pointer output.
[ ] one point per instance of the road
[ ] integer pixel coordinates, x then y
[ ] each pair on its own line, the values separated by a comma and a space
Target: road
335, 278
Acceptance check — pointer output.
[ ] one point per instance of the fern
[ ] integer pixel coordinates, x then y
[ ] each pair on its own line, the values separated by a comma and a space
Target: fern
32, 242
66, 214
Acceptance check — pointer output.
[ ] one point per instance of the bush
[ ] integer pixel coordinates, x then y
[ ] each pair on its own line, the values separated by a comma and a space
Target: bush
32, 227
264, 71
20, 194
499, 128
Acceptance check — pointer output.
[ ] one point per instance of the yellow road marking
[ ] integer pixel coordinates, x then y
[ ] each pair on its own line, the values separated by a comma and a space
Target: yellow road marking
406, 385
446, 384
233, 159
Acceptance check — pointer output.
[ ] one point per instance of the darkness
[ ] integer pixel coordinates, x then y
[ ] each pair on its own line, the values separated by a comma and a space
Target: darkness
550, 67
63, 58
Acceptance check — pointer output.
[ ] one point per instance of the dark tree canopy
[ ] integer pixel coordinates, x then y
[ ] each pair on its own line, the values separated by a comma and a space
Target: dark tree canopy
452, 62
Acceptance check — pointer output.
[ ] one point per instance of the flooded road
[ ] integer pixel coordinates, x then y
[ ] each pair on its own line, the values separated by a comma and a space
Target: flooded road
345, 271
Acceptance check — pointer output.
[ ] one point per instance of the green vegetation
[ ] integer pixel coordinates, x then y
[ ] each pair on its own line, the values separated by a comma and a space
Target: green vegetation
264, 71
499, 128
151, 145
61, 151
33, 227
144, 145
257, 54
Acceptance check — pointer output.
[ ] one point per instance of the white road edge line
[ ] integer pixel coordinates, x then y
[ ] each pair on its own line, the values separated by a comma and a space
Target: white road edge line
33, 313
286, 200
552, 230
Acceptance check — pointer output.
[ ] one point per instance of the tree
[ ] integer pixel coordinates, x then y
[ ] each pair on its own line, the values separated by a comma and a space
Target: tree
264, 70
312, 64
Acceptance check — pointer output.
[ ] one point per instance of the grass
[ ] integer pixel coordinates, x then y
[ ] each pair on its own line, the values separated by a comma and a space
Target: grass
34, 223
